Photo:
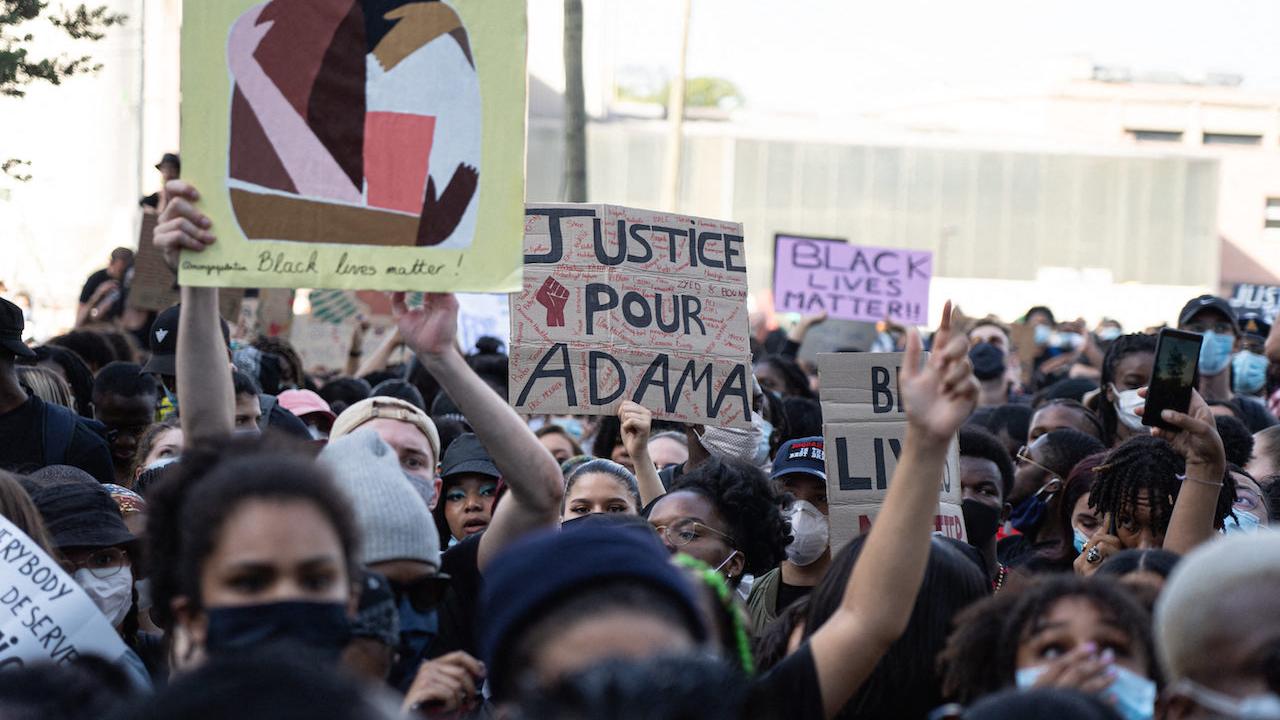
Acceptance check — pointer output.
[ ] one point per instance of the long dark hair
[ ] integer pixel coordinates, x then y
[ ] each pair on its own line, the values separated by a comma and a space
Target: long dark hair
906, 683
1122, 347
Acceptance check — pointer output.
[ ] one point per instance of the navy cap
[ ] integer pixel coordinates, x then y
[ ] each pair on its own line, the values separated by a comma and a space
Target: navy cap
1252, 322
536, 574
1207, 302
466, 454
162, 340
802, 455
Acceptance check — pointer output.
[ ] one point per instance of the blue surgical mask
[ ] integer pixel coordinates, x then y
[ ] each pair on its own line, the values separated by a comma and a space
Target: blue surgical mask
1043, 332
765, 428
1029, 514
1264, 706
1215, 353
417, 630
1131, 695
1248, 373
1240, 522
1078, 539
1109, 333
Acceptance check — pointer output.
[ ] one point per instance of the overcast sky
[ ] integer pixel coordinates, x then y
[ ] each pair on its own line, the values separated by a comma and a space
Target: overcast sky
850, 54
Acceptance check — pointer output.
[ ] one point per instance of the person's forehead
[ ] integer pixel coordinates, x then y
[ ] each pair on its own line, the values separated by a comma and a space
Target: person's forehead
1243, 482
468, 481
987, 331
123, 405
597, 483
683, 503
803, 481
974, 469
399, 434
1061, 415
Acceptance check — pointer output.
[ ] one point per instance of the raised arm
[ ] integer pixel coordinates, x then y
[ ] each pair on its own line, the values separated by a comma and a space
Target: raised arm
637, 421
535, 485
381, 357
206, 399
882, 589
1197, 441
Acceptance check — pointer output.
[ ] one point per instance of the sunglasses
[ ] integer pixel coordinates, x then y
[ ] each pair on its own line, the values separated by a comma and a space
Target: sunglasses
423, 594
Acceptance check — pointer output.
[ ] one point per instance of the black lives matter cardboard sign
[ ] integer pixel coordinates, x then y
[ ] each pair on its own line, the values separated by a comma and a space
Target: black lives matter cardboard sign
625, 304
864, 429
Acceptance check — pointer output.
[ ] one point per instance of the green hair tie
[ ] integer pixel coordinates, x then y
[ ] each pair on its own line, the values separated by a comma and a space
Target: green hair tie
724, 594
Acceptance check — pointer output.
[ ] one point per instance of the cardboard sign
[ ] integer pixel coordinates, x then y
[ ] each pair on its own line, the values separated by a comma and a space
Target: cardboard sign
864, 429
621, 304
44, 615
1263, 298
344, 144
154, 285
851, 282
836, 336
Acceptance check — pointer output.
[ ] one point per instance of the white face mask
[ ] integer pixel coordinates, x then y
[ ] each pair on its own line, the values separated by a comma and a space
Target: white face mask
809, 531
113, 595
1127, 402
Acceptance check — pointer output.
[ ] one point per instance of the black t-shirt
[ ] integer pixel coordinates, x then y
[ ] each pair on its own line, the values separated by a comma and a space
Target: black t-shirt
457, 612
789, 690
91, 285
22, 442
788, 594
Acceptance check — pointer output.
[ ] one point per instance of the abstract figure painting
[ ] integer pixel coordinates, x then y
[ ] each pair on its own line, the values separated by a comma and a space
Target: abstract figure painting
371, 144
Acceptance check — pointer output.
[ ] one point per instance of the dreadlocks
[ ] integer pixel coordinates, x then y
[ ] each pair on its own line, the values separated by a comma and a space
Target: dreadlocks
1147, 464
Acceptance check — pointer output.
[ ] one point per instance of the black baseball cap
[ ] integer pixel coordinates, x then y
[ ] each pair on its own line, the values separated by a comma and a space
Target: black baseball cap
1208, 302
162, 340
467, 455
11, 325
802, 455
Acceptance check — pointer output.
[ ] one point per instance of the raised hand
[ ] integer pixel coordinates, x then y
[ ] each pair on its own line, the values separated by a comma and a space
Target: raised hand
1196, 438
636, 423
431, 330
941, 394
181, 226
448, 684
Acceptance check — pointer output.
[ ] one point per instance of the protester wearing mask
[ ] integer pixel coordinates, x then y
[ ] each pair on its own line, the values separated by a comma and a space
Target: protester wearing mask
96, 549
162, 342
1169, 489
1125, 368
400, 541
1035, 498
1062, 632
311, 409
1060, 413
1214, 318
800, 471
1249, 512
1249, 364
1217, 664
989, 367
160, 445
598, 487
408, 430
251, 546
986, 476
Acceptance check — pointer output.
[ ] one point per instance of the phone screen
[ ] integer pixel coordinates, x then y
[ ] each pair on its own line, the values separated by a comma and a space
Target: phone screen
1173, 376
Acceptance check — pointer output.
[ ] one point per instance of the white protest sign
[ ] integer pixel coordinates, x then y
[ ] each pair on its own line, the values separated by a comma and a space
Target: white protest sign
481, 315
44, 615
864, 429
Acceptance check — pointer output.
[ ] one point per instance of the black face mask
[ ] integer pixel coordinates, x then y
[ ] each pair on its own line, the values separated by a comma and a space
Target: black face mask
321, 627
980, 521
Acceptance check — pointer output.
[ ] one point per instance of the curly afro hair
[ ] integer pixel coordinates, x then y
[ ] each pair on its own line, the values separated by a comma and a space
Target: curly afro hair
1236, 439
747, 501
981, 655
1148, 464
978, 443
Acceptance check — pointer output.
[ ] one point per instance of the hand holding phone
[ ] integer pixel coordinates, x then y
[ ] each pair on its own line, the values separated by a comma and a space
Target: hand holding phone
1173, 376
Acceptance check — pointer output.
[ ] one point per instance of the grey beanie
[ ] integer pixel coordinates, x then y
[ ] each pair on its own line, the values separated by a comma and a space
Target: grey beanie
393, 517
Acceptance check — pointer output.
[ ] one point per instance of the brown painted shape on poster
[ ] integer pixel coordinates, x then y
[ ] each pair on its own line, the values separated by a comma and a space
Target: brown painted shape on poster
279, 217
440, 218
253, 158
292, 50
420, 23
335, 110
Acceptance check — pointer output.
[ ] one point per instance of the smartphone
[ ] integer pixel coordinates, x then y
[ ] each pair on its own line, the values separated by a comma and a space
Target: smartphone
1173, 375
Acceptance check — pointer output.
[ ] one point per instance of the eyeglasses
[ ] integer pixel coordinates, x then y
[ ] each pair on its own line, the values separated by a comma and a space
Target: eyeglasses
101, 564
683, 532
1024, 456
424, 593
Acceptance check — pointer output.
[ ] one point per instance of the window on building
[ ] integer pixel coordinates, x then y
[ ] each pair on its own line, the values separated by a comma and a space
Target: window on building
1170, 136
1272, 216
1231, 139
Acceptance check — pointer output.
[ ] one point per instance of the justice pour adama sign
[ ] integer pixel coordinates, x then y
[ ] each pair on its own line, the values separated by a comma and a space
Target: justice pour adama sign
864, 428
44, 615
851, 282
620, 303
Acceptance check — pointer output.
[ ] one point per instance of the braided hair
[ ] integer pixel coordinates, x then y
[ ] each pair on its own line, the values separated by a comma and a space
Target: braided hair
1144, 463
1124, 346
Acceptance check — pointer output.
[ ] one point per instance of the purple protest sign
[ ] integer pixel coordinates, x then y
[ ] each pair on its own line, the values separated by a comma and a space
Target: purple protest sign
851, 282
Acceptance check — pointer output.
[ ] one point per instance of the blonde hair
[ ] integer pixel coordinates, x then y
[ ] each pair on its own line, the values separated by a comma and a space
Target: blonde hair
46, 385
1190, 614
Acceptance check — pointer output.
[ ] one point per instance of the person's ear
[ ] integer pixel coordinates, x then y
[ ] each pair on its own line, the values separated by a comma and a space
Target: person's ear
437, 487
736, 565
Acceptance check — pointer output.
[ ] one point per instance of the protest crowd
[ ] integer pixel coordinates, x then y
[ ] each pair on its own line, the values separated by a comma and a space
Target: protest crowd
397, 541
